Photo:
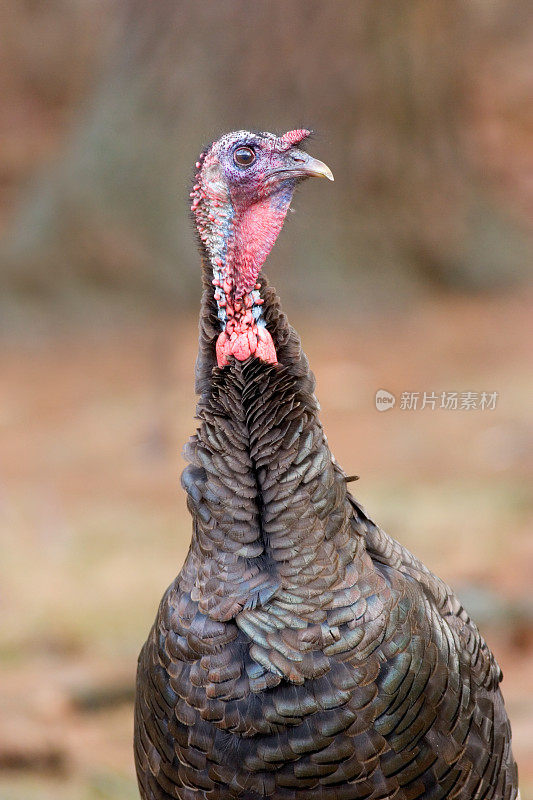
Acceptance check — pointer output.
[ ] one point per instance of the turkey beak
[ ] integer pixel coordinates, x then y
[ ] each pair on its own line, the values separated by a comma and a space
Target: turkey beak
309, 167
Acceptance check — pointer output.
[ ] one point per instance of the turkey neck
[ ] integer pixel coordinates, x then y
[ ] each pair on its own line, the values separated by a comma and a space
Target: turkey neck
237, 237
272, 519
269, 502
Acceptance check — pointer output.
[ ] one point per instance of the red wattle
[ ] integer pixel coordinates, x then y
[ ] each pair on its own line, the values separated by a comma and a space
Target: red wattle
222, 349
265, 348
244, 344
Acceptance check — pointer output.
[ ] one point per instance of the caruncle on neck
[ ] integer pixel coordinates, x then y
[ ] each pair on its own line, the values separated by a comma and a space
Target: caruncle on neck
240, 198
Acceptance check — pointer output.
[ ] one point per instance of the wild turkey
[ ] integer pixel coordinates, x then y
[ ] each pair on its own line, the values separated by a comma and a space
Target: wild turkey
301, 652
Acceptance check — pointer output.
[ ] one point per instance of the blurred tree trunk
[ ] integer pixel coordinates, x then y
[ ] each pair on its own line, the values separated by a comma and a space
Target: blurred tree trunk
385, 84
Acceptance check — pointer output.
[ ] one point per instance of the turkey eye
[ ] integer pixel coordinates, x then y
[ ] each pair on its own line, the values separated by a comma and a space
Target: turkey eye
244, 156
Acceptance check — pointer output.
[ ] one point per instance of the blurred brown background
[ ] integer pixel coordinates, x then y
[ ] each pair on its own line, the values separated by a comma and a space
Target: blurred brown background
409, 273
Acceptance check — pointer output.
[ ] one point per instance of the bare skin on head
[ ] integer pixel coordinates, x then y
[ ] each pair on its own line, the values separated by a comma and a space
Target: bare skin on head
243, 190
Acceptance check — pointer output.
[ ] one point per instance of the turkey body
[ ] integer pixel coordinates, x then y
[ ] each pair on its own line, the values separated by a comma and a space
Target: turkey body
301, 652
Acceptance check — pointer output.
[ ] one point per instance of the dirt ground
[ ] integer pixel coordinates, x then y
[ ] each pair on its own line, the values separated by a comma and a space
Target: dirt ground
94, 525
